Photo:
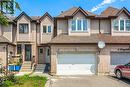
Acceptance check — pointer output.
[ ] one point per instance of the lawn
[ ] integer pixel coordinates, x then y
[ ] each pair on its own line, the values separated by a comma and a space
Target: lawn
25, 81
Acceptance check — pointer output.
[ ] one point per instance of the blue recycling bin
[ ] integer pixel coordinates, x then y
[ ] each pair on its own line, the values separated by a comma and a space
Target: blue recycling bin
17, 68
12, 67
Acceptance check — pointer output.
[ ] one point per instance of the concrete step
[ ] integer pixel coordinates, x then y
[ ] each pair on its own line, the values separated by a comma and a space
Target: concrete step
26, 67
26, 71
40, 68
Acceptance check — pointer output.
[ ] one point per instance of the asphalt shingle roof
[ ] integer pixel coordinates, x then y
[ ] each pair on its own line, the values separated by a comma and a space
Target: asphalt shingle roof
110, 11
71, 11
91, 39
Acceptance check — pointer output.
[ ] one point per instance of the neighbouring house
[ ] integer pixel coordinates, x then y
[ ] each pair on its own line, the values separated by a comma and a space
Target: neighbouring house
69, 42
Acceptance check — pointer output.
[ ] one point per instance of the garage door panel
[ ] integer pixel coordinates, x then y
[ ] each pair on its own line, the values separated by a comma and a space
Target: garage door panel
76, 64
76, 59
119, 58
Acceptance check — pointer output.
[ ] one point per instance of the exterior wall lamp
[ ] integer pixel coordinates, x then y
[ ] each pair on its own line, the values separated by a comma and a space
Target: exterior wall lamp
101, 45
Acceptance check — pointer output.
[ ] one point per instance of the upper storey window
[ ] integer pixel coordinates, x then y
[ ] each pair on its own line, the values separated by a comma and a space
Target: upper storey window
122, 25
23, 28
47, 29
79, 25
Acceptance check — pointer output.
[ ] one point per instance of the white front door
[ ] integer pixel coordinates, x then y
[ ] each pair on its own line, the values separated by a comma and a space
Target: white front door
119, 58
76, 64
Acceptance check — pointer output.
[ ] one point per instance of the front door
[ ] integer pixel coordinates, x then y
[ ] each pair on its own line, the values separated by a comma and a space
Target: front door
41, 55
27, 52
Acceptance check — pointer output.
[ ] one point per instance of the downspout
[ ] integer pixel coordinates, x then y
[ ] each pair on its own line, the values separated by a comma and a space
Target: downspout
36, 60
99, 26
6, 59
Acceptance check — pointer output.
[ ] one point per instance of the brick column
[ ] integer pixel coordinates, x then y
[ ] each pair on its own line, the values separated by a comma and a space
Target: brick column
104, 62
53, 61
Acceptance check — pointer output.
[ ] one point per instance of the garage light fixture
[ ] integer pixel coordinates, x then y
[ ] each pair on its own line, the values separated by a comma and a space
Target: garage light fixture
101, 44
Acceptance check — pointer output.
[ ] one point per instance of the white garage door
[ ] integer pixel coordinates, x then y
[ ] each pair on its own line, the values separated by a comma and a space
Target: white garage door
119, 58
76, 64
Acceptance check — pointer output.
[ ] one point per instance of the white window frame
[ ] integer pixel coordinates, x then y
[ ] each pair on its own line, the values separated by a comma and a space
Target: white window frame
125, 24
46, 29
23, 32
119, 25
77, 25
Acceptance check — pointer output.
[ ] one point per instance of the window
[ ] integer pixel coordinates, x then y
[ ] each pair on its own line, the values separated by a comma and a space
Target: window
23, 28
48, 52
44, 29
47, 29
73, 25
19, 49
121, 25
116, 25
79, 25
127, 25
84, 24
41, 50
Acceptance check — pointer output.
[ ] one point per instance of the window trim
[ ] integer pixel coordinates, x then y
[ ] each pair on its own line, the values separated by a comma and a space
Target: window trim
82, 29
47, 29
43, 29
23, 24
119, 30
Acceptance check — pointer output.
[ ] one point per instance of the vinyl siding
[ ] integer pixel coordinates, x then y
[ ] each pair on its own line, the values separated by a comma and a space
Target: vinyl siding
23, 37
46, 37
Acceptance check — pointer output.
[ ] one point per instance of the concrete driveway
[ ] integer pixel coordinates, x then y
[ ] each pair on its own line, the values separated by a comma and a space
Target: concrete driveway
88, 81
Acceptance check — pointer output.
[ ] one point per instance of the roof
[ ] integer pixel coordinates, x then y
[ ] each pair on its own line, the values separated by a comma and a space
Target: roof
110, 11
46, 14
4, 40
35, 18
123, 10
11, 18
71, 11
66, 39
23, 13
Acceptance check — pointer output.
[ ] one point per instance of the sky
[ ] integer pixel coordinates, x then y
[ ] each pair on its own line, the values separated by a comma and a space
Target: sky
54, 7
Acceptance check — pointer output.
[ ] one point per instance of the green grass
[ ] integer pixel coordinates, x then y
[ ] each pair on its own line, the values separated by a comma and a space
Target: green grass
27, 81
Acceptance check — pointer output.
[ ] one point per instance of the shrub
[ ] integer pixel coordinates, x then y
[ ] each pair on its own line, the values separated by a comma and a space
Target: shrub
11, 78
7, 83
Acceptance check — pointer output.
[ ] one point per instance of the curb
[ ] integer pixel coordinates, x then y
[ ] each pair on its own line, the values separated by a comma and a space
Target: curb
47, 83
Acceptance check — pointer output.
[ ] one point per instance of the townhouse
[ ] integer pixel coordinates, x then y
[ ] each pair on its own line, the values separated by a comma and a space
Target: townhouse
70, 41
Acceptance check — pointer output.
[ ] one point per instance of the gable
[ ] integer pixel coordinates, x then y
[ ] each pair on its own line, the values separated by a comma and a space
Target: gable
79, 15
21, 15
23, 19
46, 15
47, 21
123, 15
73, 11
123, 12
